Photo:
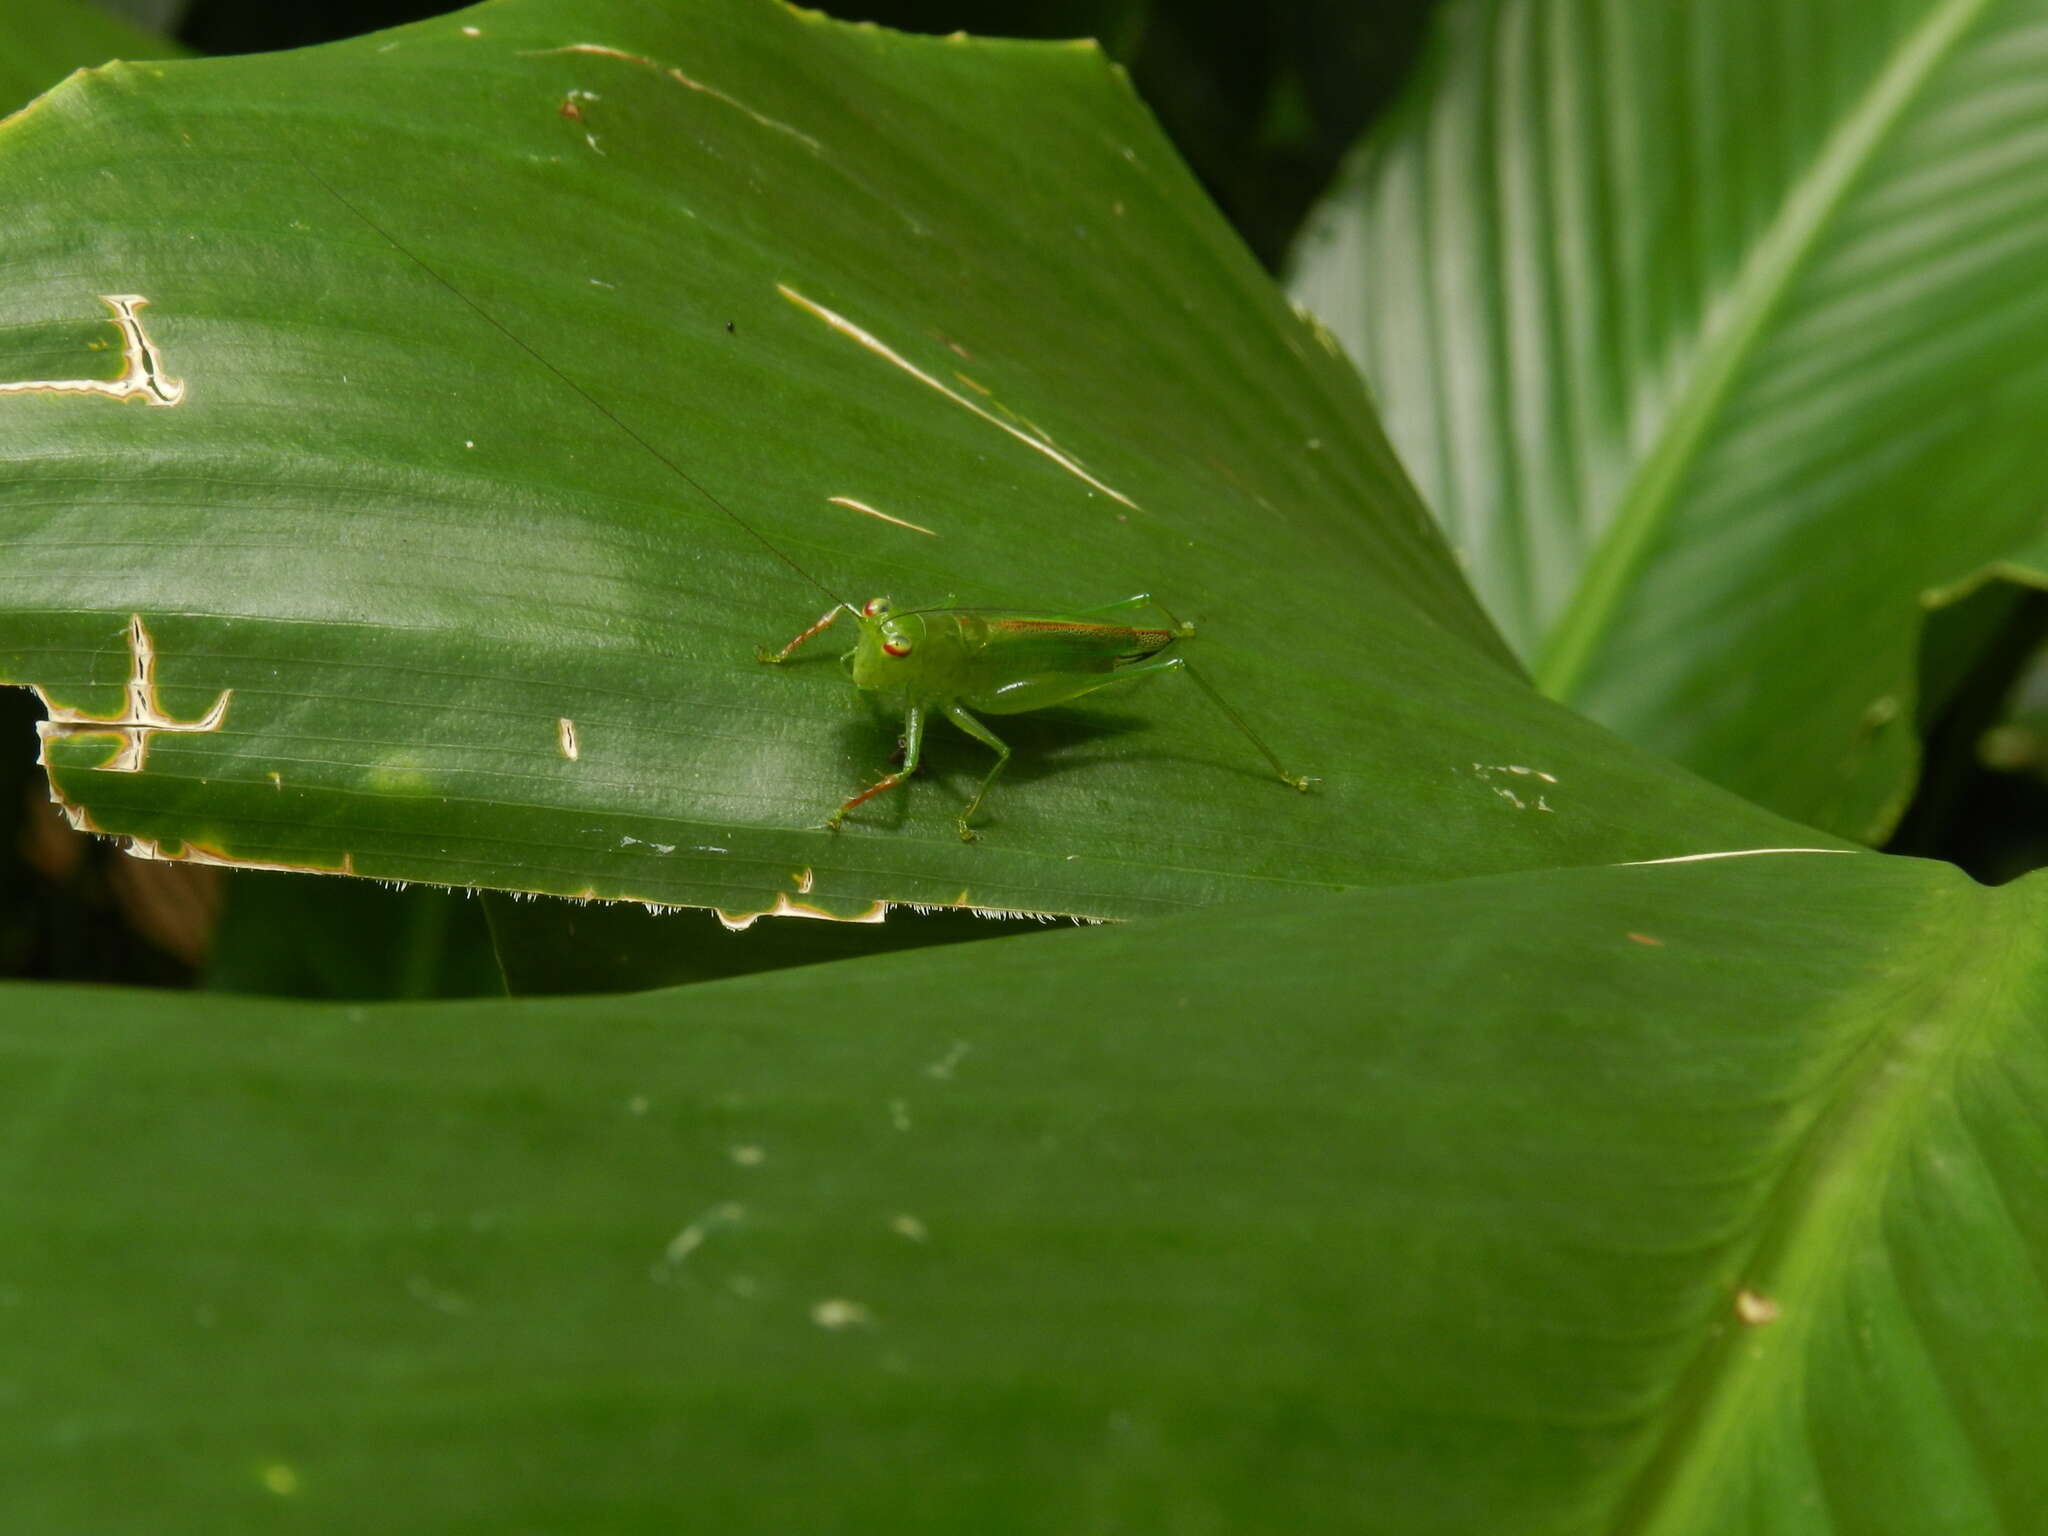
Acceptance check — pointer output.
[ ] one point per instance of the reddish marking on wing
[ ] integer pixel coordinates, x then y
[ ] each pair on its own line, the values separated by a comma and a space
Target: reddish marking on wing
1152, 637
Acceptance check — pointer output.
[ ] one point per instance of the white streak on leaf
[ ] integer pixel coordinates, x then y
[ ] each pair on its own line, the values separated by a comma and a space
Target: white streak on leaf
889, 354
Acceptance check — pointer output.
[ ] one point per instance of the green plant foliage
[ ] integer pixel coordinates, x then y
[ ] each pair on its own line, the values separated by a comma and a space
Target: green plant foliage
395, 552
1445, 1172
1713, 334
1685, 1199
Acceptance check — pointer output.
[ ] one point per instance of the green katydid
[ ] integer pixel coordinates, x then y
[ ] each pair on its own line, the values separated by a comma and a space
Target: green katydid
943, 659
954, 661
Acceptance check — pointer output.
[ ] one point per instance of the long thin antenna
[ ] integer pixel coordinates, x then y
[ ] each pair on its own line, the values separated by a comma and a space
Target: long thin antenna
589, 399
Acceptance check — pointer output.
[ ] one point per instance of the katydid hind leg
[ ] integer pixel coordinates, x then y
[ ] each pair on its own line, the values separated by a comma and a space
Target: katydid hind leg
994, 743
1180, 663
1293, 780
913, 750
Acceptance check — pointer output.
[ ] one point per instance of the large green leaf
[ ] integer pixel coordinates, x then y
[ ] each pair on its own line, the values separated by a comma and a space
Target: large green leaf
1714, 334
1685, 1199
395, 553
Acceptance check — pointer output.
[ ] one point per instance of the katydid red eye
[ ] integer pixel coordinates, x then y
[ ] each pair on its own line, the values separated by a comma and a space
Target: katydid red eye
875, 607
895, 642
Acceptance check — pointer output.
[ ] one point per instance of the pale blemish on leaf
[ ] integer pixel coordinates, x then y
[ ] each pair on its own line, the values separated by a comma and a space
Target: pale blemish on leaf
641, 842
602, 51
836, 1313
1487, 770
785, 906
1726, 853
691, 1238
1483, 769
174, 851
565, 738
279, 1477
140, 716
861, 506
399, 775
1755, 1309
141, 377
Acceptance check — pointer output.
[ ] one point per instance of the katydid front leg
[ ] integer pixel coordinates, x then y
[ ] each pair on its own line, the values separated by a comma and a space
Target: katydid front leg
762, 653
913, 749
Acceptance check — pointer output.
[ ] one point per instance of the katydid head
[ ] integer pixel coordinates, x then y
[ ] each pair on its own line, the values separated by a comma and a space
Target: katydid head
887, 642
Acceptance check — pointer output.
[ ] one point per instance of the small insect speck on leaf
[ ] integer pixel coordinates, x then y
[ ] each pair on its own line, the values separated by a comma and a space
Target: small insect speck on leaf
1755, 1310
836, 1312
731, 329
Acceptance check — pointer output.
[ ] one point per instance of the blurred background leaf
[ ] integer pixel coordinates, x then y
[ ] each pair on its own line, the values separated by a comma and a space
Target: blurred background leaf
1713, 335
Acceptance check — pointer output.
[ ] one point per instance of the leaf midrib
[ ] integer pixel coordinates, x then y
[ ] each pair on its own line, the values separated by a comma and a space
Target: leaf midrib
1806, 210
